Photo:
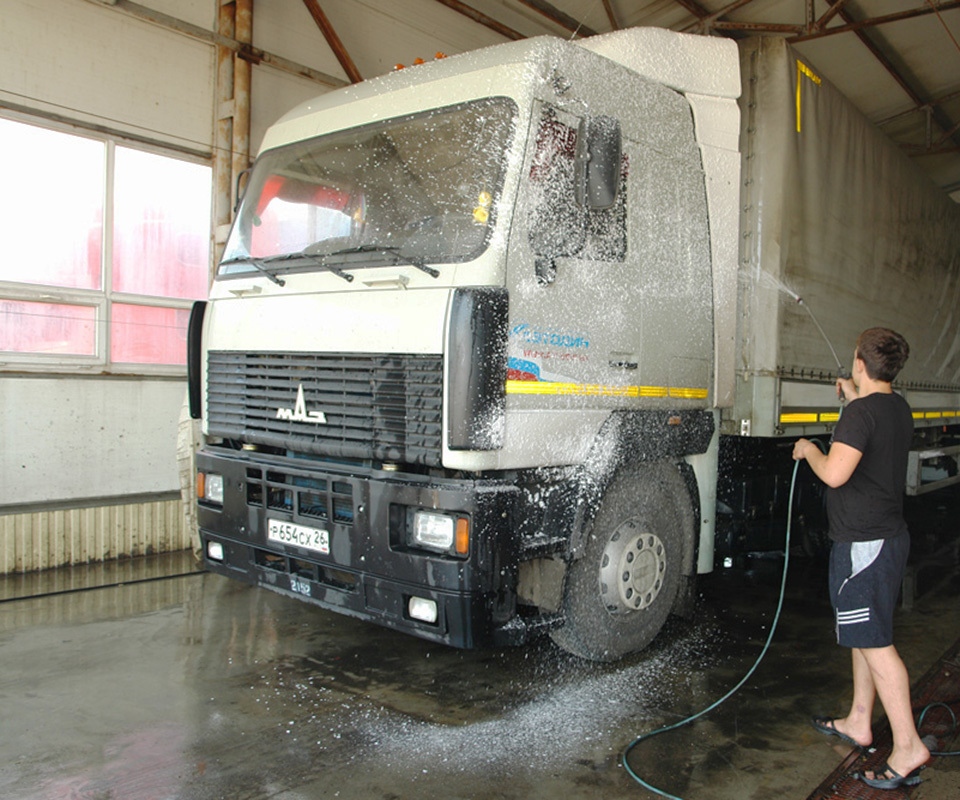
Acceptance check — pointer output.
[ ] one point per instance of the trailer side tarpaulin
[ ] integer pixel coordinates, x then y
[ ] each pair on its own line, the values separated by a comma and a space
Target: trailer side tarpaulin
835, 213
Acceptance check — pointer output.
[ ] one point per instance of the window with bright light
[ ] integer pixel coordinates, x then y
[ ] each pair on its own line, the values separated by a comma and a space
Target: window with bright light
105, 247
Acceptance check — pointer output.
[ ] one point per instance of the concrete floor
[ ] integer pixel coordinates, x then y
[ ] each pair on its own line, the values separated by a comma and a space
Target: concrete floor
195, 688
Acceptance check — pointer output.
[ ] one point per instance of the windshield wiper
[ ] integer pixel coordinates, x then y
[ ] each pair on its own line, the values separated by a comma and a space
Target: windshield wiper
322, 259
415, 261
421, 265
316, 258
258, 265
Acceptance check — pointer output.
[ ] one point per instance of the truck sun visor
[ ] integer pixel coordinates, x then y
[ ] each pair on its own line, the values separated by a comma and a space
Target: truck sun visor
477, 368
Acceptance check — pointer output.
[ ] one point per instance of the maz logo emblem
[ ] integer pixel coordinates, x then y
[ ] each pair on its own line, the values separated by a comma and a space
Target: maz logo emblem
299, 411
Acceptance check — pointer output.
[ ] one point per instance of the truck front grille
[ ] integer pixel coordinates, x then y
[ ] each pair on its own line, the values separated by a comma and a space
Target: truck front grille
367, 406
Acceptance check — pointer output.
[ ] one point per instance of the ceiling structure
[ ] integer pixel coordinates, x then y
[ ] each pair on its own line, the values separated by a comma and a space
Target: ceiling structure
897, 60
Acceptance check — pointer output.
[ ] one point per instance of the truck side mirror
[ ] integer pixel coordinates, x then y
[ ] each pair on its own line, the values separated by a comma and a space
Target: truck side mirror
597, 162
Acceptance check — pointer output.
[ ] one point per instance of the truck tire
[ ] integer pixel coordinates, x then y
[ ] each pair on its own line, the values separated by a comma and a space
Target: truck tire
619, 593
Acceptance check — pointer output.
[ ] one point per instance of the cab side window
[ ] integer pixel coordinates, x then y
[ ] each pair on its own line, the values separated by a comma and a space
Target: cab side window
559, 226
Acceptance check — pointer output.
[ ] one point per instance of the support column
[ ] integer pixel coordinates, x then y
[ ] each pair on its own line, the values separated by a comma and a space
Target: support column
231, 152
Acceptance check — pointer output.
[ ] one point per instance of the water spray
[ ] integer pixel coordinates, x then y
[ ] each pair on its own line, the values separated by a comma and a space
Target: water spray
769, 280
842, 371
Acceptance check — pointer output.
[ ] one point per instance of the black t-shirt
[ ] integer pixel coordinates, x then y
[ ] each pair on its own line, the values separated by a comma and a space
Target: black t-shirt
870, 505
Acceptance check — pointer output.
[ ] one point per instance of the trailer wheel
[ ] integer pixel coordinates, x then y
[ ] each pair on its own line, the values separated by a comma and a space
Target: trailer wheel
620, 592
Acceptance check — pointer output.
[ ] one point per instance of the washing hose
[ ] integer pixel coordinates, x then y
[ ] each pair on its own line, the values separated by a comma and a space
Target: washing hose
773, 628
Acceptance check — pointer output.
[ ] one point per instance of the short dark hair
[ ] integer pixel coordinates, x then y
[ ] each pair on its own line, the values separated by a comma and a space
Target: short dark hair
883, 352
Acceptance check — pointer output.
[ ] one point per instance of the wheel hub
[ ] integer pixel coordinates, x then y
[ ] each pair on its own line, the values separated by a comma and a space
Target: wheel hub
632, 568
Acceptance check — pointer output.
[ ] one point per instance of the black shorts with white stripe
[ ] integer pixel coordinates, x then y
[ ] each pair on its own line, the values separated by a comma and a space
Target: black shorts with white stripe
865, 580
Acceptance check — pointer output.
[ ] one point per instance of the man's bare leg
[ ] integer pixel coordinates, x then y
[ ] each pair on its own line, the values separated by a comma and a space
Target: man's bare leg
892, 684
858, 723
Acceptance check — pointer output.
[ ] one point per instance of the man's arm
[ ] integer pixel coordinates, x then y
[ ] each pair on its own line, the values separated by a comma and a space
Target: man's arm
834, 468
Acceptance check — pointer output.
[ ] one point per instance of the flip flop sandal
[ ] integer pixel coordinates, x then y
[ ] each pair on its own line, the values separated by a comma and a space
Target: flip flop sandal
895, 782
827, 726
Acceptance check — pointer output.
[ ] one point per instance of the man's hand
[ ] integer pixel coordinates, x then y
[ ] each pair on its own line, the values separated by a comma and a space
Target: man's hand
800, 448
835, 467
846, 389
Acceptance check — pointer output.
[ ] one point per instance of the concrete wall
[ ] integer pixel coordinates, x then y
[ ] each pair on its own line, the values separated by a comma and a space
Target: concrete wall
70, 439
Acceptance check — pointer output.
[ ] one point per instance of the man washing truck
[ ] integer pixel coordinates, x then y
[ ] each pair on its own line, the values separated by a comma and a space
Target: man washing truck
481, 325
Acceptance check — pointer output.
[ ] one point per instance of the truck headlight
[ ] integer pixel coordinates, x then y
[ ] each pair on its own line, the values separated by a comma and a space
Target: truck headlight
442, 533
210, 487
433, 531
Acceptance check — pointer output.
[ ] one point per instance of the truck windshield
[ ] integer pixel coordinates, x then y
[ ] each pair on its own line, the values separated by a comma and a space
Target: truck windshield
422, 188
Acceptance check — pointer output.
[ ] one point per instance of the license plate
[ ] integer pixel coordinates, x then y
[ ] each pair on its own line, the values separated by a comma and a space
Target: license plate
314, 539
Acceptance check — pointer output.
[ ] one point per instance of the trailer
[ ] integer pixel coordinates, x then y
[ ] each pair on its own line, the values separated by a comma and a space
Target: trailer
489, 334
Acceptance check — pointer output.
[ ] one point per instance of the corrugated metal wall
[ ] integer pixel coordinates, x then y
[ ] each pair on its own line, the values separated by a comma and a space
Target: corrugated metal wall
58, 537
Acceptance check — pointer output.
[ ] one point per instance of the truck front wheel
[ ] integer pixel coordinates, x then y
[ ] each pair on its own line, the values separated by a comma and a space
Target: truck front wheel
619, 593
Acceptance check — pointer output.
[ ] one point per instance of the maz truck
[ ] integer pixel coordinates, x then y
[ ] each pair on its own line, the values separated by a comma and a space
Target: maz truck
488, 332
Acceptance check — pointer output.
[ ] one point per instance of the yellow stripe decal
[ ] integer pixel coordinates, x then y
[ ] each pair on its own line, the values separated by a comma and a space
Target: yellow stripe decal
788, 418
802, 417
690, 394
652, 391
803, 69
598, 390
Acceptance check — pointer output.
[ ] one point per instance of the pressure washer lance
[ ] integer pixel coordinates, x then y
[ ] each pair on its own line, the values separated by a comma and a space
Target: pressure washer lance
844, 373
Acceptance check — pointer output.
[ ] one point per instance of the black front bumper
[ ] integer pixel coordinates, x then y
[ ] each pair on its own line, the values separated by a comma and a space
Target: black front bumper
370, 572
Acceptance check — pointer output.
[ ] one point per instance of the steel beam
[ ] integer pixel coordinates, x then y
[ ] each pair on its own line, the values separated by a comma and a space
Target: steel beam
610, 15
694, 8
223, 135
873, 22
949, 134
708, 22
330, 34
935, 113
937, 101
829, 14
242, 78
483, 19
558, 17
759, 27
246, 51
231, 152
